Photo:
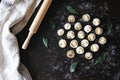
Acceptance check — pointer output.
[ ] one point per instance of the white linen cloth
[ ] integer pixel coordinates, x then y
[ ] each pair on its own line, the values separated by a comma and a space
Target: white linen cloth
14, 15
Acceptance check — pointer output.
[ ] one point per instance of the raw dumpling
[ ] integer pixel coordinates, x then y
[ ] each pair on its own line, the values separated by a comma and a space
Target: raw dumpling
67, 26
74, 44
88, 55
70, 54
62, 43
84, 43
70, 35
81, 34
91, 37
71, 18
102, 40
94, 47
98, 31
78, 26
60, 32
80, 50
96, 21
87, 28
86, 17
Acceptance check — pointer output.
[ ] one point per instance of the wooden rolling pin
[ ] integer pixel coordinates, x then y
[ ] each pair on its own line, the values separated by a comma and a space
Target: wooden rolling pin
37, 21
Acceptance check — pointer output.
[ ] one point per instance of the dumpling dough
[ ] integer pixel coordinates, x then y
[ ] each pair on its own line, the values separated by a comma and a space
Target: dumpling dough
86, 17
71, 18
102, 40
98, 31
87, 28
80, 50
74, 44
67, 26
78, 26
60, 32
94, 47
88, 55
81, 34
70, 35
91, 37
96, 21
62, 43
84, 43
70, 54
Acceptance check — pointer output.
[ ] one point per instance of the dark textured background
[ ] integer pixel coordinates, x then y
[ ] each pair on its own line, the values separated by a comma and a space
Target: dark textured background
52, 64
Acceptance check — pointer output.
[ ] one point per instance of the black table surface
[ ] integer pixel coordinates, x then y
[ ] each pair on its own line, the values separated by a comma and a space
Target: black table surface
52, 64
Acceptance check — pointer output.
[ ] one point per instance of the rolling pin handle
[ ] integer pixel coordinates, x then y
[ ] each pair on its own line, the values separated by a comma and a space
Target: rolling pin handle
27, 41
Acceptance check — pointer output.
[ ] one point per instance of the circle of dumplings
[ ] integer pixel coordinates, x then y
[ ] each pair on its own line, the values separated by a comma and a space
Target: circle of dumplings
84, 39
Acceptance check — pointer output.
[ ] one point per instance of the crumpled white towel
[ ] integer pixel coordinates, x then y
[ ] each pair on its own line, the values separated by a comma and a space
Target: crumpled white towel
14, 15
